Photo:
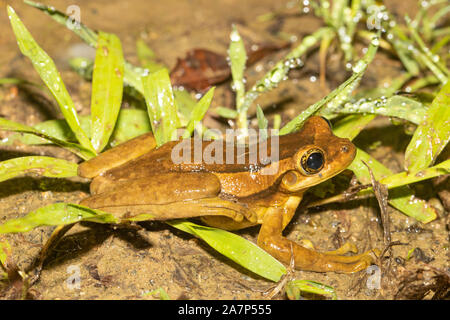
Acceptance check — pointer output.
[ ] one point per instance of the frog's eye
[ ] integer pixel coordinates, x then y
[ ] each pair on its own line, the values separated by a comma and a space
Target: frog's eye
328, 121
312, 161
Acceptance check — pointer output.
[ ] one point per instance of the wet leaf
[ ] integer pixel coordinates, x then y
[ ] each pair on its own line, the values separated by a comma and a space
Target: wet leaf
262, 122
159, 293
132, 75
395, 106
350, 126
55, 215
404, 178
73, 147
5, 251
43, 166
401, 198
295, 288
226, 112
107, 88
130, 123
147, 57
342, 93
200, 69
198, 112
432, 135
241, 251
161, 106
46, 68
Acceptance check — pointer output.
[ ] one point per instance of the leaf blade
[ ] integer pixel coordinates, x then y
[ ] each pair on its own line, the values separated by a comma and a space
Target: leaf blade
107, 89
44, 166
46, 68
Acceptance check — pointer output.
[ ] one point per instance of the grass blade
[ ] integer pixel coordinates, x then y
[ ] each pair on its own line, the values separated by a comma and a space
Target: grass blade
404, 178
130, 123
199, 112
432, 135
242, 251
295, 288
43, 166
147, 57
395, 106
238, 59
73, 147
161, 106
401, 198
262, 122
46, 68
132, 74
107, 88
55, 215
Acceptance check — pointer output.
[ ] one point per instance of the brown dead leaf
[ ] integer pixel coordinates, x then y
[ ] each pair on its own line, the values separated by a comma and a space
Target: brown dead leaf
199, 70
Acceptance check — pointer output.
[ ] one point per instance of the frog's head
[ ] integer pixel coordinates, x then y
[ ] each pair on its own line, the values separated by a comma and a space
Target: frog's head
320, 156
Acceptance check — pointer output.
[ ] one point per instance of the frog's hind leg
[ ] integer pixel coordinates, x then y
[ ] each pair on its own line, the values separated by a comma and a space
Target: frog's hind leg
169, 196
271, 240
181, 210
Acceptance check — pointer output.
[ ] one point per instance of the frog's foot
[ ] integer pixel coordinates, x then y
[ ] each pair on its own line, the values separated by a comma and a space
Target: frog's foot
271, 240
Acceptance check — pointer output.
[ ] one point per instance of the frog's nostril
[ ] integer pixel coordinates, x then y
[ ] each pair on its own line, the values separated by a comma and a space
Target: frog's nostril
345, 149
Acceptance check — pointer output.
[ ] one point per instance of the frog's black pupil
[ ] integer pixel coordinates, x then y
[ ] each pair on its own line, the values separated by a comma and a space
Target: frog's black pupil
315, 161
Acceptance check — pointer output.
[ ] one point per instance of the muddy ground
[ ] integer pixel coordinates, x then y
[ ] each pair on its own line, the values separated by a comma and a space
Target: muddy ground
123, 263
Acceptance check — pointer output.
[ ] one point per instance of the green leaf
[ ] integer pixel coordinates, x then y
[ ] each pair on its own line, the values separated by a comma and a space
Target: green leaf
262, 122
132, 75
43, 166
161, 106
5, 251
238, 59
46, 68
404, 178
395, 106
73, 147
401, 198
432, 135
226, 112
295, 288
130, 123
199, 112
241, 251
107, 88
147, 57
350, 126
338, 95
55, 215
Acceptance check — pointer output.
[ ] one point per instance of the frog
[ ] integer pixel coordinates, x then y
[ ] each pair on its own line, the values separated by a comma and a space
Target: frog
137, 177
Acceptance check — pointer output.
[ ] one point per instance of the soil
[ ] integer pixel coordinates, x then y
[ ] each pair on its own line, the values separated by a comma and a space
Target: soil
128, 263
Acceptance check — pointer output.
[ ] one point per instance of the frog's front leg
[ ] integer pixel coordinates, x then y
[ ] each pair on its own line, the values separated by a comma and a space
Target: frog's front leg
271, 240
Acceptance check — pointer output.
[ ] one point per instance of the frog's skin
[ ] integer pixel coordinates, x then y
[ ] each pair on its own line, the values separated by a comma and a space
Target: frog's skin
135, 178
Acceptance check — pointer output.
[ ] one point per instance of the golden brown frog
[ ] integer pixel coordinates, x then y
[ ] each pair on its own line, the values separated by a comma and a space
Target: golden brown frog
135, 178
